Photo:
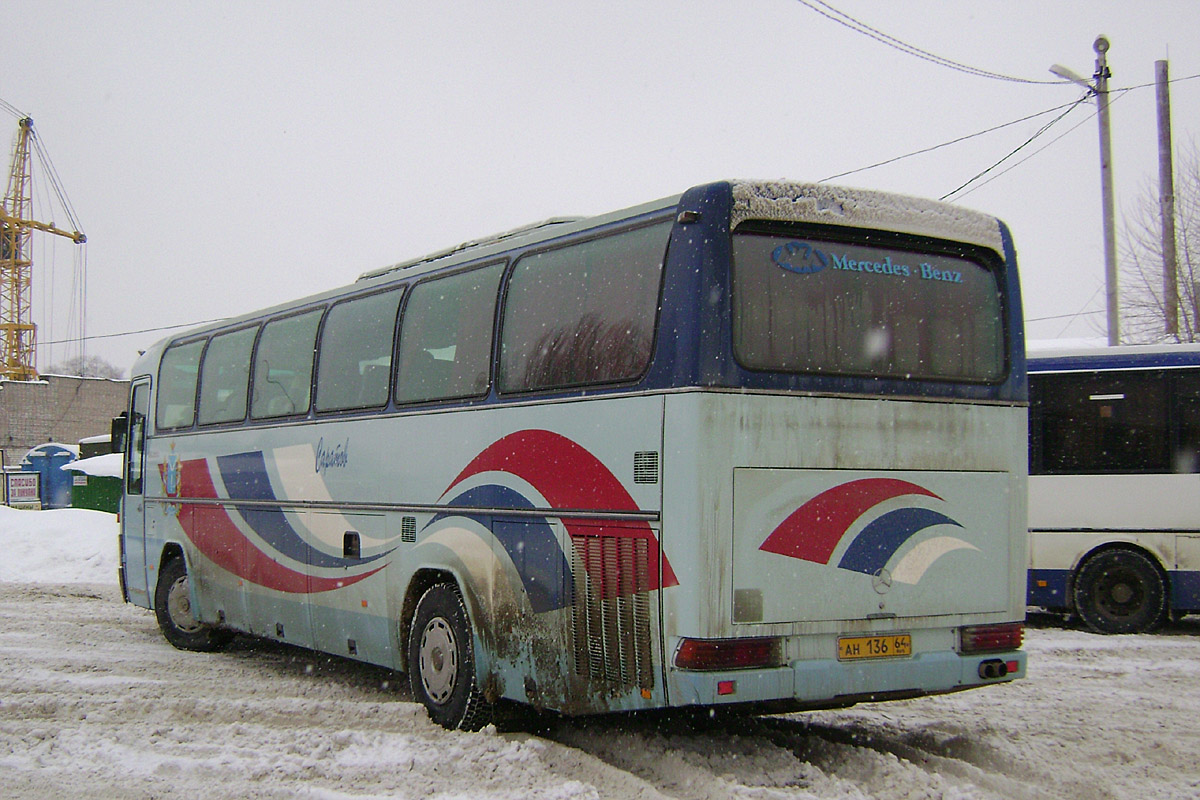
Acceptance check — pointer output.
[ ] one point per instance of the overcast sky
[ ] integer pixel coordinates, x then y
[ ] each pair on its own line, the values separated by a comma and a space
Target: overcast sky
223, 157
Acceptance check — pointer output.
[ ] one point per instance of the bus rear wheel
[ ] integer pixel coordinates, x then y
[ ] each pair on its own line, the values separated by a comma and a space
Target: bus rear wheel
1120, 591
441, 661
173, 608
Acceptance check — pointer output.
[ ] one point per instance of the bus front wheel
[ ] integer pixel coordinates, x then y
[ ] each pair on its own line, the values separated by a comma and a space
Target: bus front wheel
173, 608
1120, 591
441, 661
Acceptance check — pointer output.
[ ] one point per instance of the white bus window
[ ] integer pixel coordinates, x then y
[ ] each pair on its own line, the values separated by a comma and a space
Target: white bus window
1185, 456
176, 405
355, 355
810, 305
446, 337
1096, 422
225, 377
283, 366
583, 314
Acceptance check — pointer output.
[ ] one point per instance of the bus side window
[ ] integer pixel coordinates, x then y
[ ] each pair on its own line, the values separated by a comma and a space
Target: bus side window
176, 404
283, 366
583, 314
224, 377
446, 337
1103, 423
1185, 454
354, 359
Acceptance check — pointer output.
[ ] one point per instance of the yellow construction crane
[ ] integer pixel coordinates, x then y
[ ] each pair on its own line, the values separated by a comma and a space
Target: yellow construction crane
18, 334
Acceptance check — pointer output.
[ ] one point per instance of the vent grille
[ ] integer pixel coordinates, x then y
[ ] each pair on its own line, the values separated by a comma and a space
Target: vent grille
408, 529
610, 614
645, 467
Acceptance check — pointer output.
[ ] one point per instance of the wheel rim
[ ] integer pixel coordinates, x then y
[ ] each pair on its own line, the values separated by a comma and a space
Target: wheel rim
179, 606
1122, 594
439, 660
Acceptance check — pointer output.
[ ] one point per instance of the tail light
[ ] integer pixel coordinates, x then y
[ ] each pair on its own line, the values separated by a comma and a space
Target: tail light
990, 638
721, 654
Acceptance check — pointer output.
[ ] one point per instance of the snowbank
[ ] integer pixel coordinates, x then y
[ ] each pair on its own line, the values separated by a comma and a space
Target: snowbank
108, 465
66, 545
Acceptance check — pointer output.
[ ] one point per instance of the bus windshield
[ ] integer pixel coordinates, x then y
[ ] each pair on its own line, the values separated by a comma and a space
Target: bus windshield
803, 304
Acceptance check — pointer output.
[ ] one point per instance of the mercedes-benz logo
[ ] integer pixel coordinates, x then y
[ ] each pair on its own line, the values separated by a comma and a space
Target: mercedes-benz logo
881, 581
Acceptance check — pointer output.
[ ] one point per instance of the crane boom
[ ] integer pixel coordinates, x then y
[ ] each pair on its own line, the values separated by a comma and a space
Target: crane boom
18, 334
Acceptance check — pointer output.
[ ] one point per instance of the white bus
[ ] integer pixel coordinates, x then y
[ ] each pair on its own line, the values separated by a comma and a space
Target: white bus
757, 445
1114, 487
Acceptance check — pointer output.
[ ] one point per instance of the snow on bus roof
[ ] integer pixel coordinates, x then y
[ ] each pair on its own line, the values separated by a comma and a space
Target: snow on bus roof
1119, 357
862, 208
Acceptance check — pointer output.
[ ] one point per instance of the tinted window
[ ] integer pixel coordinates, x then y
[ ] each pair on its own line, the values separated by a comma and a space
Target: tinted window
176, 404
225, 377
283, 366
1185, 456
810, 305
583, 314
355, 358
1099, 422
446, 337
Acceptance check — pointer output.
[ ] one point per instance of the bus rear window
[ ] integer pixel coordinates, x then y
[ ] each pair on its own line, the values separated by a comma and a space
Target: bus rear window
819, 306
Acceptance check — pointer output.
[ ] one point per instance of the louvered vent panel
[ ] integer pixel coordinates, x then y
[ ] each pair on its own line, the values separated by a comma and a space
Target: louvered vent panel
645, 467
408, 529
610, 624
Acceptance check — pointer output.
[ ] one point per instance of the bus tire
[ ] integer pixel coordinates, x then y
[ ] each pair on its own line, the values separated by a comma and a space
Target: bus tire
173, 608
1120, 591
441, 661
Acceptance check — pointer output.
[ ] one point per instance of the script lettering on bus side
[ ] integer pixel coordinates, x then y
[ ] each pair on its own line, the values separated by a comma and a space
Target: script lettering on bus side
336, 456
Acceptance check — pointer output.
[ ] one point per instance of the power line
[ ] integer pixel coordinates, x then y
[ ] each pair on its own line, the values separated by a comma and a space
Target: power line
925, 150
1016, 150
1117, 92
1011, 167
844, 19
1066, 316
136, 333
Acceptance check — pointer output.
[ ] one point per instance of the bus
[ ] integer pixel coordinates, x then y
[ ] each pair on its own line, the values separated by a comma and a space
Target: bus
1114, 486
759, 446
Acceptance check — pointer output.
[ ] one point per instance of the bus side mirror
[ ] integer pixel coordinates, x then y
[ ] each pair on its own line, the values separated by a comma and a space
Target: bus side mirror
120, 432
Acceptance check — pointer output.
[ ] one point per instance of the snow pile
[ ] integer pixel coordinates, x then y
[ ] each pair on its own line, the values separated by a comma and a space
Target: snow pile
108, 465
66, 545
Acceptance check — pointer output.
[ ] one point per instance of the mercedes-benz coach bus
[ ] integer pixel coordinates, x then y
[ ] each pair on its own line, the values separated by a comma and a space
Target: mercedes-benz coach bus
761, 445
1114, 486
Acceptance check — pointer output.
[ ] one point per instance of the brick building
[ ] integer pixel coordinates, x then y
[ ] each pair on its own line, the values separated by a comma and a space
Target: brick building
56, 408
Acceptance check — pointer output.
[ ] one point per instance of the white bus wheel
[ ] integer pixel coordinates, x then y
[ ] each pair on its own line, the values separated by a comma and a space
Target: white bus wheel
173, 608
441, 661
1120, 591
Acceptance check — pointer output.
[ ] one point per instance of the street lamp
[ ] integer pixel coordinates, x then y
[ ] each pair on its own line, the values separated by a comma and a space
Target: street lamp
1100, 90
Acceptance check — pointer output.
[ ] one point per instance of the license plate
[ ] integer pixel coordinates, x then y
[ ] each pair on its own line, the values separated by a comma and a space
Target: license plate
896, 645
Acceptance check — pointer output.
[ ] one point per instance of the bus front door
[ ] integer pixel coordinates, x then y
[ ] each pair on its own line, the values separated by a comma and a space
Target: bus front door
133, 507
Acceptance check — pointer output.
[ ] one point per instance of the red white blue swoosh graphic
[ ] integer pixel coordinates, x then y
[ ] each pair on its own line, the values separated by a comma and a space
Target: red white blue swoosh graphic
215, 530
567, 477
814, 531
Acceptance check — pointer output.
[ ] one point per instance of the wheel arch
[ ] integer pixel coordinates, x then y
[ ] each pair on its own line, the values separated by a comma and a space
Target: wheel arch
1121, 544
1125, 546
418, 584
171, 551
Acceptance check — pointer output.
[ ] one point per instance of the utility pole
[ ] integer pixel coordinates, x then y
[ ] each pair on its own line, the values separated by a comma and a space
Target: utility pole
1099, 89
1166, 197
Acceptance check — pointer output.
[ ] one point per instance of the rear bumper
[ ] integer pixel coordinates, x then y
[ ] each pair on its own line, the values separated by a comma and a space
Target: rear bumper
828, 683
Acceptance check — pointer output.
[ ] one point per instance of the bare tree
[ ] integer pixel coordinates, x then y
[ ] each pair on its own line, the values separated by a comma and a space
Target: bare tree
1142, 299
86, 367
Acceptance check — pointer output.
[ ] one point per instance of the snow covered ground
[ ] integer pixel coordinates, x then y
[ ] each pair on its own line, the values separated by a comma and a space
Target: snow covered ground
95, 704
